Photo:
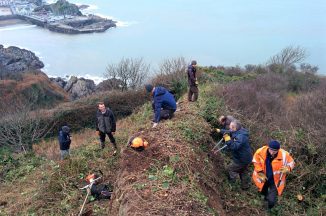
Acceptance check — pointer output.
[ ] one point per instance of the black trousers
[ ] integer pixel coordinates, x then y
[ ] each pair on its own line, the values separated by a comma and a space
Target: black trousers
193, 93
102, 139
241, 170
166, 112
270, 193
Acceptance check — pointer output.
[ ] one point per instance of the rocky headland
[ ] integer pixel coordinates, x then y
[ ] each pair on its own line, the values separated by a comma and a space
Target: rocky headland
14, 59
62, 17
15, 63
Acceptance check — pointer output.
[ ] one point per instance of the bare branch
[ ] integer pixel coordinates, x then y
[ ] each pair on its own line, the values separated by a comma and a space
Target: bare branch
288, 57
131, 72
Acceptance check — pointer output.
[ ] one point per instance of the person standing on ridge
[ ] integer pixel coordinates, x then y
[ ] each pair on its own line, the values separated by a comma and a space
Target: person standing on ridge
192, 82
271, 166
105, 125
164, 104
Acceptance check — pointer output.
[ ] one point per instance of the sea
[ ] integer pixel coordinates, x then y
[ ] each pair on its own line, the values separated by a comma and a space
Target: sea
213, 32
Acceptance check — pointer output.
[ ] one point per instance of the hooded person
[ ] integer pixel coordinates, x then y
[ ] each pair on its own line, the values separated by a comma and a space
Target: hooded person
164, 103
64, 141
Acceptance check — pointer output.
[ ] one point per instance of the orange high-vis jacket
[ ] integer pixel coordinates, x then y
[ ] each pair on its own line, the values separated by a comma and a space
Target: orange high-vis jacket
283, 158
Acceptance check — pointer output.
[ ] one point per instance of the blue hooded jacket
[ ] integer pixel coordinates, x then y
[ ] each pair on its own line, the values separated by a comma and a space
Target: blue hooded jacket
239, 146
163, 99
64, 138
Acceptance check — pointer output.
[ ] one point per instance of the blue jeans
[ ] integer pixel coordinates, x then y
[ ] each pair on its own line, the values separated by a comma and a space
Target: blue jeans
64, 154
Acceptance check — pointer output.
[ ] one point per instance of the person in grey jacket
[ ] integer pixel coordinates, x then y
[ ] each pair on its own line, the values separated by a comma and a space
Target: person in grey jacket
105, 125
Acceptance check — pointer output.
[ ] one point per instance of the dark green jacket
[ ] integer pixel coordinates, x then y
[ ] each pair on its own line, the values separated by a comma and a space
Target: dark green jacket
105, 122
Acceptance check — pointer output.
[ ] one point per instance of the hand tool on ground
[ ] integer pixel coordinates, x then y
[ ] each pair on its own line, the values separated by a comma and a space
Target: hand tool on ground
88, 188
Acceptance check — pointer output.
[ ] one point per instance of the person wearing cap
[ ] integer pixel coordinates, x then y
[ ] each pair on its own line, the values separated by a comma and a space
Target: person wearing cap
164, 103
271, 164
105, 125
192, 82
237, 141
64, 141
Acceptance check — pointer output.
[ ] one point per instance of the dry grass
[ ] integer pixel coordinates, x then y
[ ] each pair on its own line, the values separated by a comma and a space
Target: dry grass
50, 148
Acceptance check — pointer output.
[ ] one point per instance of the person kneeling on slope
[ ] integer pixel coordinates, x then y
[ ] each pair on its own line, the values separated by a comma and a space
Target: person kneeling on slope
164, 104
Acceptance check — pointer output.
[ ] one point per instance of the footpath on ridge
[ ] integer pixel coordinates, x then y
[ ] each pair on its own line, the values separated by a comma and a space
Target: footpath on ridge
174, 176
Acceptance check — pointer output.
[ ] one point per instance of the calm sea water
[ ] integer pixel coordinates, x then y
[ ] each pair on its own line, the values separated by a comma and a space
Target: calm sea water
214, 32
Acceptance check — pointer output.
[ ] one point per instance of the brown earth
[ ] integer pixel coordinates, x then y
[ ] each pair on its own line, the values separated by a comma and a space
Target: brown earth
175, 175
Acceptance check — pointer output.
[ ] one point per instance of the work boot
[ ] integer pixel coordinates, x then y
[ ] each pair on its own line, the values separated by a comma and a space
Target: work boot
102, 145
244, 185
115, 148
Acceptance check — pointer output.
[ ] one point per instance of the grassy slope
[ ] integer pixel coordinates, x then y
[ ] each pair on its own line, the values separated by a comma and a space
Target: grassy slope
169, 175
32, 84
177, 175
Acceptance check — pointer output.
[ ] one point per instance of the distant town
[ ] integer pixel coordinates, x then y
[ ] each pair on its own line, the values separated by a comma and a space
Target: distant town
61, 16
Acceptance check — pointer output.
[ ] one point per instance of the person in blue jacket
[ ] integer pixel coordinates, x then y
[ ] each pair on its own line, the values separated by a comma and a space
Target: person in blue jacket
64, 142
237, 141
164, 104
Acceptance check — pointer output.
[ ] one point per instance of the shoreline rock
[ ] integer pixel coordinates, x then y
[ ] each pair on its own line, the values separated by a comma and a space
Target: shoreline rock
14, 59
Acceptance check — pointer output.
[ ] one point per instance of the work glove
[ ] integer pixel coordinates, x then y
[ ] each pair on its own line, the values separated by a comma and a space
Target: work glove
284, 169
262, 176
97, 133
218, 130
196, 82
154, 125
226, 137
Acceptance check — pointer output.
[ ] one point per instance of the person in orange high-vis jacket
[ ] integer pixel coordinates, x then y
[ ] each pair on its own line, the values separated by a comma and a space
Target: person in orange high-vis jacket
271, 166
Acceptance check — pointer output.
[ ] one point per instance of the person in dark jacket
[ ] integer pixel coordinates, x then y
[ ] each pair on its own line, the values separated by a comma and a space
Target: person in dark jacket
192, 82
237, 141
164, 104
105, 125
64, 142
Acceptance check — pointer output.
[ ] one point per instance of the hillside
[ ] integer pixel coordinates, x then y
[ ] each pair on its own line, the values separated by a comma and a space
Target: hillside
177, 174
33, 86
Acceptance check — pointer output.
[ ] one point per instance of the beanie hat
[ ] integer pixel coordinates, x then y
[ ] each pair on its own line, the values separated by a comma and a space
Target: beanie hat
65, 129
149, 88
193, 62
274, 145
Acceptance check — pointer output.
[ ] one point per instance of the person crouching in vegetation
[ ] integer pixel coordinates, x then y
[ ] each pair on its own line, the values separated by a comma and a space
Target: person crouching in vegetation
64, 141
237, 141
164, 103
105, 125
192, 82
271, 165
225, 121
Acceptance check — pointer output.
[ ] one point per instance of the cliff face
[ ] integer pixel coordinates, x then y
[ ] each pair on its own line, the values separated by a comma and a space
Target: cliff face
79, 87
14, 59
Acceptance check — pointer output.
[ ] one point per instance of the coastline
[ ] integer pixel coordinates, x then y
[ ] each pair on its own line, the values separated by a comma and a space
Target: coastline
98, 24
13, 21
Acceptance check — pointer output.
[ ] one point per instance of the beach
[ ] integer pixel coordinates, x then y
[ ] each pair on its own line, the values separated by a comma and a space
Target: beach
11, 22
